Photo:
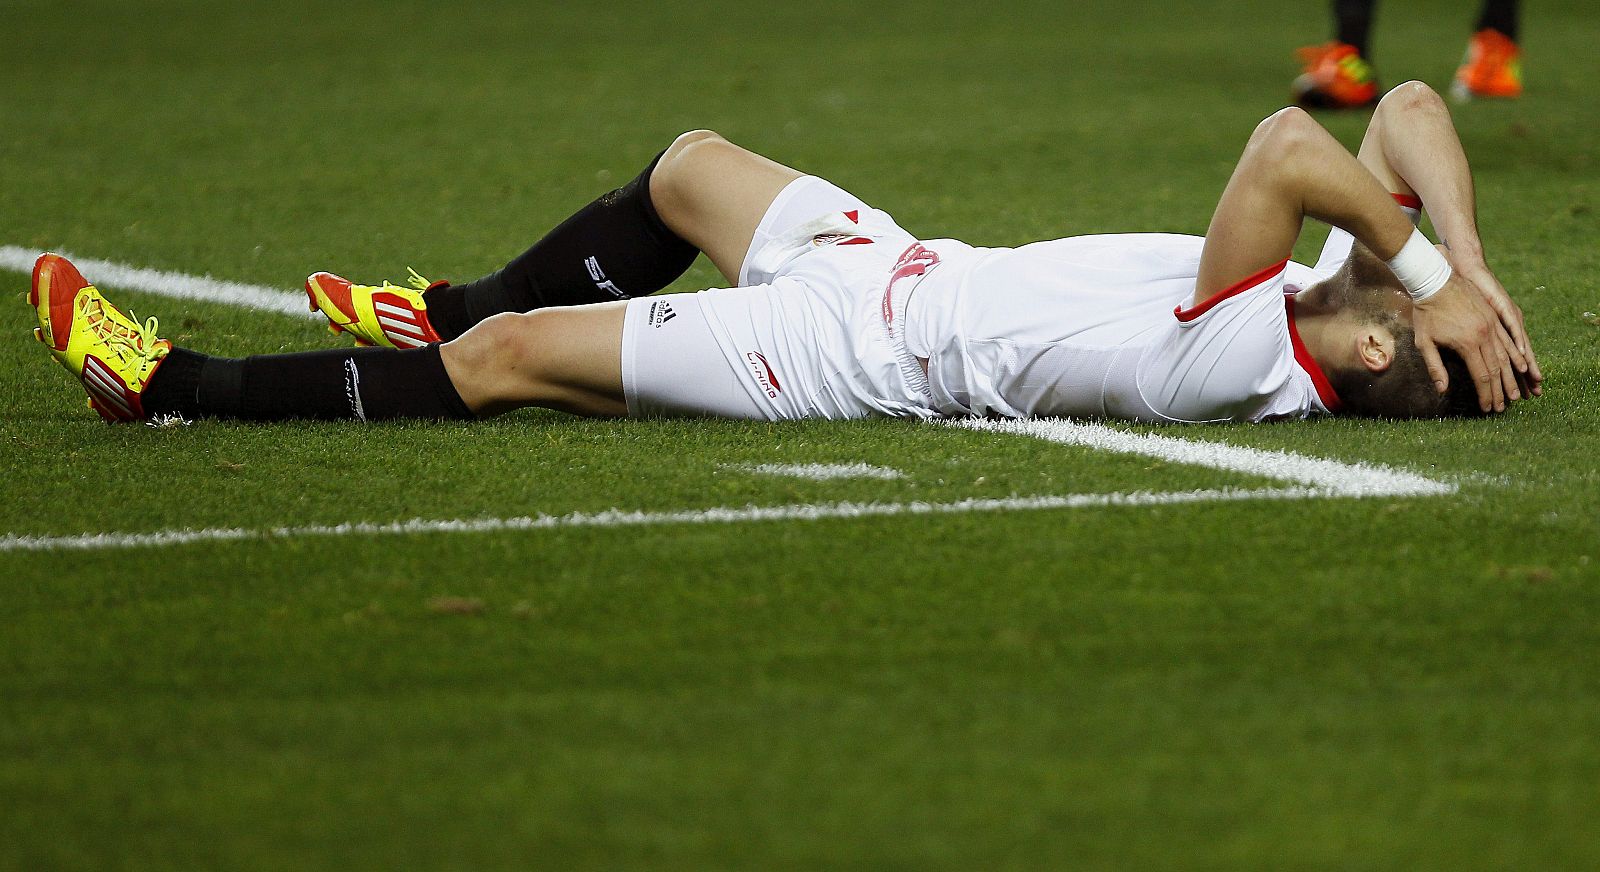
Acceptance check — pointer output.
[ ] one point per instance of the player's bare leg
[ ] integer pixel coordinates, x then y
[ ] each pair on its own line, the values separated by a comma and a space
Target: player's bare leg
704, 189
539, 332
701, 193
567, 358
714, 193
711, 193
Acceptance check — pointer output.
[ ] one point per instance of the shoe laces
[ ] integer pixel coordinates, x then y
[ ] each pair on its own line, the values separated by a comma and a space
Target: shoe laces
131, 338
415, 280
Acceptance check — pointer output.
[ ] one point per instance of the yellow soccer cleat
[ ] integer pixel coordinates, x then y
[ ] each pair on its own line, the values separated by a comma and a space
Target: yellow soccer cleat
387, 315
110, 353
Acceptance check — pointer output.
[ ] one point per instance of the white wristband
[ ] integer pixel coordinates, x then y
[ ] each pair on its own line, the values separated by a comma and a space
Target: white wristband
1420, 267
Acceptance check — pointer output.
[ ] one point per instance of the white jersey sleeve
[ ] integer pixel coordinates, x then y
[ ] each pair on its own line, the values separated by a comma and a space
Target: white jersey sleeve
1225, 359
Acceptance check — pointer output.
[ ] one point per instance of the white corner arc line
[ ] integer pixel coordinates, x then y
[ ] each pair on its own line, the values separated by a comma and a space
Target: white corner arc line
1332, 477
620, 518
109, 274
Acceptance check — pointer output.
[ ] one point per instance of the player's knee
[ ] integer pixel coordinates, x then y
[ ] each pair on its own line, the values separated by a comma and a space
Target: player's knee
680, 158
522, 341
503, 347
1412, 96
1288, 126
1286, 136
682, 170
691, 138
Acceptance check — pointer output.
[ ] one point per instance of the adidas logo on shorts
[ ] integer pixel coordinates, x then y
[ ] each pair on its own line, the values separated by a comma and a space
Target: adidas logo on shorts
660, 313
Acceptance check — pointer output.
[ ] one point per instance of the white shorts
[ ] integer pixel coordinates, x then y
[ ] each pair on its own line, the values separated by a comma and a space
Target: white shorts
809, 334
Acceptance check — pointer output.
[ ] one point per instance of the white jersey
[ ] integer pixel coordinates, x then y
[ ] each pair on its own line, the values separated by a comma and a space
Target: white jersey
841, 313
1100, 326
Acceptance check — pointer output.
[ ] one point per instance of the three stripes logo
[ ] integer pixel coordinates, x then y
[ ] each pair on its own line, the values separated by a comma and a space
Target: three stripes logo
405, 326
661, 312
112, 398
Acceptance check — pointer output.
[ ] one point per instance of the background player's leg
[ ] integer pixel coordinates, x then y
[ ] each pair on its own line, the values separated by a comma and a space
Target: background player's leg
1500, 15
1493, 64
1353, 23
1337, 74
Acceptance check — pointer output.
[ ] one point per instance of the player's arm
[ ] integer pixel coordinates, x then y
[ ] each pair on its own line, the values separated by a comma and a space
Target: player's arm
1292, 168
1412, 147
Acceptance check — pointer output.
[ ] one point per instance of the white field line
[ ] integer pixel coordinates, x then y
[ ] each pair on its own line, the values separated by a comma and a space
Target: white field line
109, 274
1329, 476
619, 518
823, 471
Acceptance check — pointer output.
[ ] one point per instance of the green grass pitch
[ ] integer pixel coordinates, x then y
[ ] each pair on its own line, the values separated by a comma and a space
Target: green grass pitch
1319, 684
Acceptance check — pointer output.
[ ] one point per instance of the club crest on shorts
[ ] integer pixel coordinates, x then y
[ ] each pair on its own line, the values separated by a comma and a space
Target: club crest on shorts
765, 377
914, 262
661, 312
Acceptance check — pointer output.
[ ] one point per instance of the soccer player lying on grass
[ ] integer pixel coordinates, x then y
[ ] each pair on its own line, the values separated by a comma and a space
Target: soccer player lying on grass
839, 313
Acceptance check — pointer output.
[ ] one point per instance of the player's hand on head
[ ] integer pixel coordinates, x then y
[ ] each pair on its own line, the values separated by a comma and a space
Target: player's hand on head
1510, 314
1459, 317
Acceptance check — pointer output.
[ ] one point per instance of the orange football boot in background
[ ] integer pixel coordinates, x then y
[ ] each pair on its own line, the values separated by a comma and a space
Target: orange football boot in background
1336, 77
1492, 68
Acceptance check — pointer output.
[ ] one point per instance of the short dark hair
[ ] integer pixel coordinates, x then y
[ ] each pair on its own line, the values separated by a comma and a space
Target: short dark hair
1404, 389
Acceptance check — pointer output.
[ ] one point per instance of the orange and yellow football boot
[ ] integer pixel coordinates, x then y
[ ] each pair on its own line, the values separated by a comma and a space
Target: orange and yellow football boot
111, 354
1492, 68
386, 315
1336, 77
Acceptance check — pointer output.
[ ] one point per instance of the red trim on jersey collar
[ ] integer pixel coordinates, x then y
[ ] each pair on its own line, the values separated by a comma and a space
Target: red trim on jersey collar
1302, 356
1233, 290
1408, 200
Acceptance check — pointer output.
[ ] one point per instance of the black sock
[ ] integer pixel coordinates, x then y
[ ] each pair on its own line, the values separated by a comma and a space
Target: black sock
369, 384
1354, 21
175, 387
614, 248
1500, 15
